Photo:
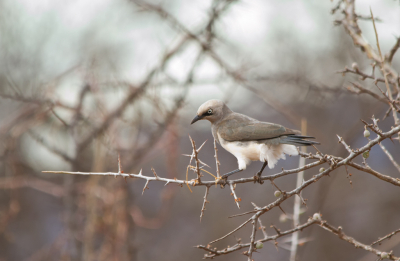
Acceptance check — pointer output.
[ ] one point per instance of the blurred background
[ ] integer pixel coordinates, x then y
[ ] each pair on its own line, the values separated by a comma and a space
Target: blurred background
81, 81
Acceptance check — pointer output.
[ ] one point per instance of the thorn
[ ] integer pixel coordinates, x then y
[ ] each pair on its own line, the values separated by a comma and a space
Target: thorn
154, 172
282, 210
145, 186
201, 146
276, 229
119, 164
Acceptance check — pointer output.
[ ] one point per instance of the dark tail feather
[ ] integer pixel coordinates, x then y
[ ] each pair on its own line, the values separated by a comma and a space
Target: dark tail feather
299, 140
301, 137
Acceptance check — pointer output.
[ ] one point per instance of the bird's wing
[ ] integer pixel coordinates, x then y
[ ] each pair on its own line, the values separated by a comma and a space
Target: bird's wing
239, 127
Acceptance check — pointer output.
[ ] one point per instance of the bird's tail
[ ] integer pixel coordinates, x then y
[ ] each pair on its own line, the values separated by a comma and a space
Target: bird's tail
298, 140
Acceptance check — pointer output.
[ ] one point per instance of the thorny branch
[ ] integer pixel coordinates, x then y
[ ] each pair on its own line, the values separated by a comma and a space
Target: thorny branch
203, 208
379, 241
337, 231
350, 23
214, 252
389, 56
204, 38
333, 161
237, 200
397, 166
217, 163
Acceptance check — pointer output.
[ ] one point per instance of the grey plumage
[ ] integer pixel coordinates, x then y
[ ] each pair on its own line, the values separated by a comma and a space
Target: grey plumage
249, 139
239, 127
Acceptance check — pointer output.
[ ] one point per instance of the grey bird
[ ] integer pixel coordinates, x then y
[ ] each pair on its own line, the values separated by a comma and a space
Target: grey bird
249, 139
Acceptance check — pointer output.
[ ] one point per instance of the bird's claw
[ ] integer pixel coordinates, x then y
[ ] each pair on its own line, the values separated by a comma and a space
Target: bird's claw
257, 178
224, 179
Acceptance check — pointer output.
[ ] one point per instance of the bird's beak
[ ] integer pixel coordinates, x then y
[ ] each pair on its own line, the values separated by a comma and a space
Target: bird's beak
197, 118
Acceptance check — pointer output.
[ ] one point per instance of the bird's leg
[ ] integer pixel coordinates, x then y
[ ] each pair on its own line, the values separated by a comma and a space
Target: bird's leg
257, 177
225, 176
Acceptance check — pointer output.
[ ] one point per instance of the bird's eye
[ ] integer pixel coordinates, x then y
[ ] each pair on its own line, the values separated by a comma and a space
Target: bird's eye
209, 111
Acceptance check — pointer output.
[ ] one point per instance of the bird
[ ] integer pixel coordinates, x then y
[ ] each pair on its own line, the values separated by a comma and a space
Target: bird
249, 139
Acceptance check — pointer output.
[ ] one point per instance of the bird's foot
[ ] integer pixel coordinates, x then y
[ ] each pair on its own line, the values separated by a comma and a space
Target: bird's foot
257, 178
224, 179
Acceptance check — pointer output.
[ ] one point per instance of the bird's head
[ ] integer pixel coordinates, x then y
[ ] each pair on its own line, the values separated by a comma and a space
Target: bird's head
212, 110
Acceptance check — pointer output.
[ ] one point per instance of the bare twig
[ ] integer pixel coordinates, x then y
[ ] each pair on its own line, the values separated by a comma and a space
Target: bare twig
203, 208
394, 181
389, 56
195, 157
204, 38
252, 238
390, 157
213, 253
338, 231
217, 163
237, 200
350, 24
361, 89
385, 74
263, 229
321, 160
362, 74
233, 231
386, 237
145, 186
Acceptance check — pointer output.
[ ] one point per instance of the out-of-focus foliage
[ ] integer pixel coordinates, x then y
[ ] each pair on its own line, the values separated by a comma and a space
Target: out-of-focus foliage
83, 81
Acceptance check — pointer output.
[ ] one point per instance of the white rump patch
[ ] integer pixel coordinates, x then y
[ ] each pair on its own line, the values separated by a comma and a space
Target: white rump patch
273, 153
248, 151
